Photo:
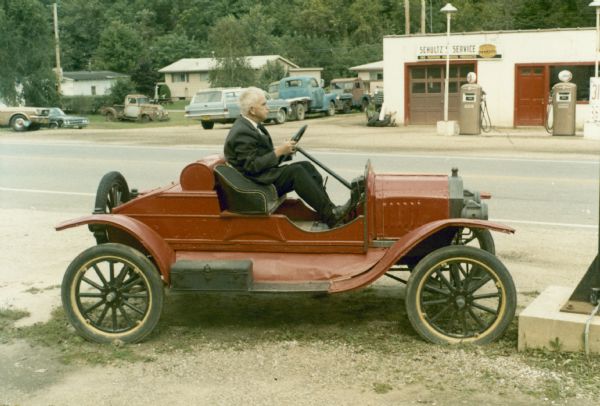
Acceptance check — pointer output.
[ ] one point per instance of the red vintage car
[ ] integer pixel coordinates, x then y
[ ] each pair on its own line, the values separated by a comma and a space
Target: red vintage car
216, 230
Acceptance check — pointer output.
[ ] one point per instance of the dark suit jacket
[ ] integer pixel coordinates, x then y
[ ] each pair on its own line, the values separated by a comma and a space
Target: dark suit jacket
251, 152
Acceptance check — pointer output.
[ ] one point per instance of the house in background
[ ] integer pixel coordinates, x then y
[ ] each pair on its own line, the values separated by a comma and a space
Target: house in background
314, 72
89, 83
188, 75
371, 73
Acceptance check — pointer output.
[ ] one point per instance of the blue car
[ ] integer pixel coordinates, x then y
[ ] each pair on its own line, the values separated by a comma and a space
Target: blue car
59, 119
221, 105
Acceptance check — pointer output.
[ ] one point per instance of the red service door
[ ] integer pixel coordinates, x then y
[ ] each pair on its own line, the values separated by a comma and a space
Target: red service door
530, 95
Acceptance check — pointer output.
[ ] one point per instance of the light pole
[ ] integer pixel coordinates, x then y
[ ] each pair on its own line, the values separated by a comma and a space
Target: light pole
448, 9
591, 127
596, 3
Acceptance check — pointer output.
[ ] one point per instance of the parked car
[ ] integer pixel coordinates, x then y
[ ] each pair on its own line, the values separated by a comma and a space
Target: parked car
305, 95
24, 118
217, 231
352, 93
222, 105
59, 119
135, 107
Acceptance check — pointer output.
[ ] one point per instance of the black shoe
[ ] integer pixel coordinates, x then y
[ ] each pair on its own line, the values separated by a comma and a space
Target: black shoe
339, 213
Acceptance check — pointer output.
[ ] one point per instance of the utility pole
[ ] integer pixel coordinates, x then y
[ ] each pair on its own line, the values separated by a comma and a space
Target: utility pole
407, 17
57, 49
423, 14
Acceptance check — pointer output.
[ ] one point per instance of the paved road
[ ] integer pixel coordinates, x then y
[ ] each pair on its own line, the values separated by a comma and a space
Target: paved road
52, 175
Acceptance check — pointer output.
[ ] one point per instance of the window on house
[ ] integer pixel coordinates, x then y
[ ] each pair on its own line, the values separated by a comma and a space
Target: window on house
179, 77
581, 77
93, 90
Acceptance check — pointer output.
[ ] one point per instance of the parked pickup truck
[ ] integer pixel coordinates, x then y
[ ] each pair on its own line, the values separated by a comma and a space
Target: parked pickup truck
136, 107
352, 93
305, 95
221, 105
24, 118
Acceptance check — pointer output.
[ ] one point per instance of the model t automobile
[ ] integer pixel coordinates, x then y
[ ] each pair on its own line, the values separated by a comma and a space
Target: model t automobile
216, 230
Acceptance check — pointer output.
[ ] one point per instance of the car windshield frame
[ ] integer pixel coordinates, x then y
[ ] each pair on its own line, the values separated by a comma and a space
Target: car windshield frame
56, 111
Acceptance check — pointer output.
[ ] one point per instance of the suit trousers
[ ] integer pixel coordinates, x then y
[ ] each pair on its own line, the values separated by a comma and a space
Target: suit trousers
304, 178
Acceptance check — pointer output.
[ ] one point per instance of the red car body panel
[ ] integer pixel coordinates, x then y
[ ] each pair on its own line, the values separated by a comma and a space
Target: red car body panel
185, 221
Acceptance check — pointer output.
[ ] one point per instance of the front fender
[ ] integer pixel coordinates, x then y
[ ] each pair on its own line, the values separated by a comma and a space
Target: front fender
405, 244
329, 98
162, 253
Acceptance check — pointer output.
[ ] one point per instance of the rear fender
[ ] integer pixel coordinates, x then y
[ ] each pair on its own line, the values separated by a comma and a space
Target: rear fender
405, 244
163, 254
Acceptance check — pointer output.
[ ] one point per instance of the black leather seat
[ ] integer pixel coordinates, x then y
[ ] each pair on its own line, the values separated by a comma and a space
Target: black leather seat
239, 194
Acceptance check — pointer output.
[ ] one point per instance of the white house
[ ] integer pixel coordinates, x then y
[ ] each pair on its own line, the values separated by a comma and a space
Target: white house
89, 83
371, 73
188, 75
516, 69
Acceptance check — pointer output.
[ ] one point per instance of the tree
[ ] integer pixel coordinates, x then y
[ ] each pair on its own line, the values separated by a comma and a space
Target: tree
271, 72
232, 72
81, 23
119, 90
26, 53
120, 48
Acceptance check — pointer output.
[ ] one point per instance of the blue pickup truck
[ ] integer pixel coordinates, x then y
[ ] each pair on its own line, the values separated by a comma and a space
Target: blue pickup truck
221, 105
305, 95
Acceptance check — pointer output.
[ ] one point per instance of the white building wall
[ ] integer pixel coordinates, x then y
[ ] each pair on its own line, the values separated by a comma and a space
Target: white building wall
84, 87
496, 76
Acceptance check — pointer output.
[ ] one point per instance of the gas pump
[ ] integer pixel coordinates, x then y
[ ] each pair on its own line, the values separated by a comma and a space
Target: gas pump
473, 114
562, 103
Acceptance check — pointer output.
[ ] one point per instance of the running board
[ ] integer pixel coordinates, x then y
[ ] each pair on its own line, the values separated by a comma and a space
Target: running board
231, 276
291, 287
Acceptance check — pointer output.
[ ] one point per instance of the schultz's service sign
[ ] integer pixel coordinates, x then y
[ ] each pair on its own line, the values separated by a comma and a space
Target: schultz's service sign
459, 51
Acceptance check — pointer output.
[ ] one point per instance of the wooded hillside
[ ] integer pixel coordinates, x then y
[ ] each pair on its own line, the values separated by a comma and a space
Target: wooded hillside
138, 37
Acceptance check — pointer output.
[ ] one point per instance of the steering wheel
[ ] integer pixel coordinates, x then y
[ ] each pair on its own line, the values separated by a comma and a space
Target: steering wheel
296, 138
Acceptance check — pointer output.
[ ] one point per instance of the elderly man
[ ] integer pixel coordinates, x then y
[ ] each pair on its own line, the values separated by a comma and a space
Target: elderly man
249, 149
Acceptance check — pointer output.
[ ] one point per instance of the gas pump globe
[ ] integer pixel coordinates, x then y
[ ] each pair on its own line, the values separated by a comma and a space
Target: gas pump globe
564, 101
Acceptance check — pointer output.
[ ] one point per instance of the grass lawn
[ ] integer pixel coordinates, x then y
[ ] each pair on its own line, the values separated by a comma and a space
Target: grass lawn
177, 119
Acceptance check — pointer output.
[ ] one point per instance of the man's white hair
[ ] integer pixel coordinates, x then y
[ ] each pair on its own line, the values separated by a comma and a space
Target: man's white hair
249, 98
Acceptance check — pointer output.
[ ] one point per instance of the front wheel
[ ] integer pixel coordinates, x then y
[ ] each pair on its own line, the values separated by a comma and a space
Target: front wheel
459, 294
112, 292
19, 123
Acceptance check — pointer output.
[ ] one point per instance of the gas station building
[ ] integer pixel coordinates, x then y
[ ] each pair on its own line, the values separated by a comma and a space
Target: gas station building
516, 70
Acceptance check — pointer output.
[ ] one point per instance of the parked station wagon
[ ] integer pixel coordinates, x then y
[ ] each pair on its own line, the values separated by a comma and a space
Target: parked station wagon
221, 105
217, 231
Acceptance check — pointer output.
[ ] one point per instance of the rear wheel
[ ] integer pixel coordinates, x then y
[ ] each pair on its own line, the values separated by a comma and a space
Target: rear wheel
112, 192
460, 294
53, 124
145, 118
110, 116
281, 116
300, 111
112, 292
331, 109
207, 125
476, 237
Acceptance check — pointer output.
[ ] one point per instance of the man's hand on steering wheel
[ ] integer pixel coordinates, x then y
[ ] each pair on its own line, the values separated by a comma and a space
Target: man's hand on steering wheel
287, 148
